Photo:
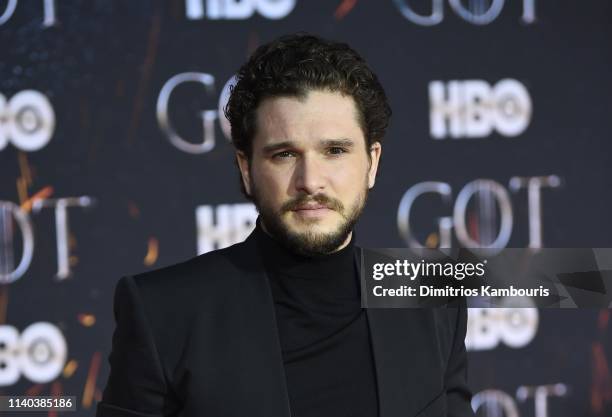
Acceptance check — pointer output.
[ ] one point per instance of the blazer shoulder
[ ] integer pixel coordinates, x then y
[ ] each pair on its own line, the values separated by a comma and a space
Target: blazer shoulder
211, 269
197, 284
175, 300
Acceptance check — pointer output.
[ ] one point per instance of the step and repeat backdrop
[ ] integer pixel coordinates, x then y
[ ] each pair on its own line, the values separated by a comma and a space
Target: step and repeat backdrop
115, 158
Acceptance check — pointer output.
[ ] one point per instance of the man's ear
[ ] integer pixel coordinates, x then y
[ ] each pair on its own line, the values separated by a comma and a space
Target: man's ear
243, 165
375, 151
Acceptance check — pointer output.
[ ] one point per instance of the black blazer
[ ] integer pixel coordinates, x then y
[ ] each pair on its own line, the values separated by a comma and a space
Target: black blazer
199, 338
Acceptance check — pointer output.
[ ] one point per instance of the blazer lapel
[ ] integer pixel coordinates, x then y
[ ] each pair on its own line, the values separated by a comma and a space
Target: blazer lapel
405, 359
267, 367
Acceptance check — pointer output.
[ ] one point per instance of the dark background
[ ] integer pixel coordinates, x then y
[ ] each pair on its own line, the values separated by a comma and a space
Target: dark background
102, 64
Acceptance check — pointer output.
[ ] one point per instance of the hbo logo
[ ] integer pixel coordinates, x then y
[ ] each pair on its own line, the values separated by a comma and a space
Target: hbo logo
473, 108
238, 9
39, 353
27, 120
488, 327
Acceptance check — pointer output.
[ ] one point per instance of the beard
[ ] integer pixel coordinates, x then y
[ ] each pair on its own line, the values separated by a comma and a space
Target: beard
309, 243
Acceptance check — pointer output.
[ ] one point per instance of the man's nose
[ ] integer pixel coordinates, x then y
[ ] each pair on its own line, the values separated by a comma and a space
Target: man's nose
309, 175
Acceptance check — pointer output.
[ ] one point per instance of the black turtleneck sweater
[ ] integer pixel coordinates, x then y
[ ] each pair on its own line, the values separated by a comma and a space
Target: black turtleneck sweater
323, 331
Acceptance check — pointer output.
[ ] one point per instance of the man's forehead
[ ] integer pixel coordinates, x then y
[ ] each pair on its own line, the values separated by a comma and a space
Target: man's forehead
317, 117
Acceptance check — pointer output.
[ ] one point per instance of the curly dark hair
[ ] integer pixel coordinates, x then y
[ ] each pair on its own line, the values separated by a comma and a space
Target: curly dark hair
292, 65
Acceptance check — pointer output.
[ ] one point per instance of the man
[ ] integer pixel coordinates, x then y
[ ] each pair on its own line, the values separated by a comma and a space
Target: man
273, 326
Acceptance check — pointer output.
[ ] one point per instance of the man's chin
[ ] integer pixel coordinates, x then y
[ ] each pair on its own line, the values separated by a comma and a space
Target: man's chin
312, 220
314, 241
307, 235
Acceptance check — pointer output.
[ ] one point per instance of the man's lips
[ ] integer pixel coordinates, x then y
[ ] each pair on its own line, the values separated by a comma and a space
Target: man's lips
311, 207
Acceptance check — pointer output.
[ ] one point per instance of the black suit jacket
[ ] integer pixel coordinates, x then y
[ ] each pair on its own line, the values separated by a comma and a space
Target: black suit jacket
199, 338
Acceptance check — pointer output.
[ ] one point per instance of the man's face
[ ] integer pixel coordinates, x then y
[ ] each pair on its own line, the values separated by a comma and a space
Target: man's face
309, 174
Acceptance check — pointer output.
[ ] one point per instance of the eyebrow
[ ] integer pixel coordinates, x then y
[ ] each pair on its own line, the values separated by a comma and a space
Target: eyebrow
347, 143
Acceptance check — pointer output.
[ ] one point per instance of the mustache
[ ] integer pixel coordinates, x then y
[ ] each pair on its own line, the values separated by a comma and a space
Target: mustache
302, 199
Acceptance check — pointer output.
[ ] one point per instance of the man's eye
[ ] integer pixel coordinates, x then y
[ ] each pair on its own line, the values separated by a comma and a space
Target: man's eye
283, 154
336, 150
